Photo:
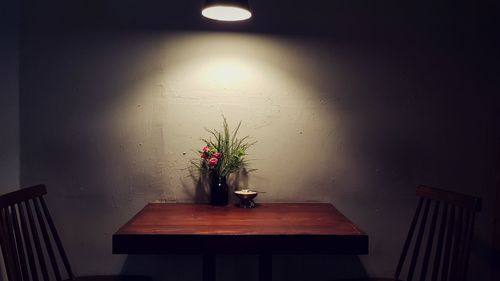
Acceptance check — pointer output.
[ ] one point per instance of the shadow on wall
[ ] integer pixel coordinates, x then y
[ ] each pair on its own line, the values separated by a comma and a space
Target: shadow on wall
200, 193
245, 268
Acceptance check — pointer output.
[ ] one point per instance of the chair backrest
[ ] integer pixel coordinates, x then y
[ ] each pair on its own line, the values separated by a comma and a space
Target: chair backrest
439, 240
31, 247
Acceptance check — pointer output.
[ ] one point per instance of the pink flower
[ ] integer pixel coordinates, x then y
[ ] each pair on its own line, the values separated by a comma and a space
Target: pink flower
217, 155
213, 162
204, 152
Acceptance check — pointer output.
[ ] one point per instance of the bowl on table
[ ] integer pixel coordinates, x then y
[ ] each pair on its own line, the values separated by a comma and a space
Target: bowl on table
246, 197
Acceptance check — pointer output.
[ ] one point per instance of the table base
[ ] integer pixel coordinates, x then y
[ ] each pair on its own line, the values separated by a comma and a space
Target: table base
265, 267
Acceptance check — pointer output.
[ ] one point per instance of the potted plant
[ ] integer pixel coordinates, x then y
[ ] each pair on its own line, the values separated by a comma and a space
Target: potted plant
223, 154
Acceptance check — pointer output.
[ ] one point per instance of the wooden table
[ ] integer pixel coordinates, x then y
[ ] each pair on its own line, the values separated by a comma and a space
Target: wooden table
273, 228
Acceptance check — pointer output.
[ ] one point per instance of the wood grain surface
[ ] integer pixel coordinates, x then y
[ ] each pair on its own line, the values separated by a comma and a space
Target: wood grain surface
270, 228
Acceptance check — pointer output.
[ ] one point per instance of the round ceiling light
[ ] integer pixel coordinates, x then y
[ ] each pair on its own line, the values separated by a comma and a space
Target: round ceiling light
226, 10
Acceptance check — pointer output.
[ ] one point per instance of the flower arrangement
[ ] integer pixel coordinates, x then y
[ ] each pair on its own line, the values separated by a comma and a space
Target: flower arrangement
223, 154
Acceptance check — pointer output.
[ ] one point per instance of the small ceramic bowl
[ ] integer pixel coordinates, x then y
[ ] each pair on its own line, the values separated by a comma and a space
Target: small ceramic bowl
246, 197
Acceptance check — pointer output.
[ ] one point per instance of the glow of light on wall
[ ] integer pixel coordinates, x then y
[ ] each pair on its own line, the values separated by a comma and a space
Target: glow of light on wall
279, 87
226, 70
215, 62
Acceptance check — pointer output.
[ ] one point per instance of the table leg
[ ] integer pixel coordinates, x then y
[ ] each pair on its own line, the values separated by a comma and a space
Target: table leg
208, 267
265, 267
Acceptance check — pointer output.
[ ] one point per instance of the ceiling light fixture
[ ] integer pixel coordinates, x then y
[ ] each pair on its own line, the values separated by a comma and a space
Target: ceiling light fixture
226, 10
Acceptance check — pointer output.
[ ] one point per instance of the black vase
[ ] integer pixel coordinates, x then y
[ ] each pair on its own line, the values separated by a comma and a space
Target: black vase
219, 191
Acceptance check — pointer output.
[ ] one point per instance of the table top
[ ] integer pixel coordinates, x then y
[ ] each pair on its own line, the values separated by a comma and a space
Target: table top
273, 228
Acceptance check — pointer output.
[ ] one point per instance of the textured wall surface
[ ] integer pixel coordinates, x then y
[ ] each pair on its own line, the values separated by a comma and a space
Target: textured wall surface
9, 98
107, 117
9, 102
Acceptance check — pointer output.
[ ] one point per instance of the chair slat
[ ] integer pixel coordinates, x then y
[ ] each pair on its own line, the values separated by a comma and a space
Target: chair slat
27, 243
19, 244
46, 239
408, 239
448, 244
457, 243
465, 241
6, 245
36, 240
57, 240
430, 241
420, 235
440, 244
468, 247
12, 239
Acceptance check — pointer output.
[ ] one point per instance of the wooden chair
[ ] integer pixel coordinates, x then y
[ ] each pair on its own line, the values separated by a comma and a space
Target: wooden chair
438, 244
30, 244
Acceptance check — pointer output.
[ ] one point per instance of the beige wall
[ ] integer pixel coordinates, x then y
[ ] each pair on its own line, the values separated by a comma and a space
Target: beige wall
106, 118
